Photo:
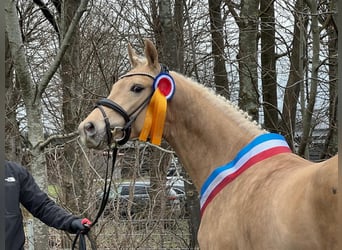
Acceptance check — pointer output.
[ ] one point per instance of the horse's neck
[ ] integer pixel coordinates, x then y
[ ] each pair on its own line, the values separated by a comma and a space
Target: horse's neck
204, 132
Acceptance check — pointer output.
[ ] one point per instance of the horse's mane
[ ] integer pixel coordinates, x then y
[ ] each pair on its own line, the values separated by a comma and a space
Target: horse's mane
242, 118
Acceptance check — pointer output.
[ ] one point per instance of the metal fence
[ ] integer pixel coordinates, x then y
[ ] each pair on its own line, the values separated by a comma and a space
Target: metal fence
126, 234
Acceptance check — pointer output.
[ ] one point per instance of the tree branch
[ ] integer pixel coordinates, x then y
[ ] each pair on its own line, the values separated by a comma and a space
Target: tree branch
48, 15
57, 137
65, 44
231, 8
18, 51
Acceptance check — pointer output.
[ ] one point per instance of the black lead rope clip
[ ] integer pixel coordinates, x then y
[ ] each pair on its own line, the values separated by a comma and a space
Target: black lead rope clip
81, 235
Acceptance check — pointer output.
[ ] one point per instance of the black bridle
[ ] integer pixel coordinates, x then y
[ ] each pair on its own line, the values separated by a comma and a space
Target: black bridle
129, 118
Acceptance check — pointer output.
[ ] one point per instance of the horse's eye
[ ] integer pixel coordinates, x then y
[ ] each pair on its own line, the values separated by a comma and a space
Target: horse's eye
136, 88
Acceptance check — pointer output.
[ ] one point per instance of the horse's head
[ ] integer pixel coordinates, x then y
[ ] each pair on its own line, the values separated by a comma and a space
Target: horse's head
120, 116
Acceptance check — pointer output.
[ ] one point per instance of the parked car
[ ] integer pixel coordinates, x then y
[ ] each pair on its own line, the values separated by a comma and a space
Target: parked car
135, 204
134, 199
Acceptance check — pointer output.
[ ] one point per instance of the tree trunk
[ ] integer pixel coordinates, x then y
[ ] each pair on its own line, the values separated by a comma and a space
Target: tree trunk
217, 45
168, 31
160, 161
268, 66
330, 146
69, 76
172, 41
248, 32
32, 97
288, 120
307, 118
193, 209
178, 27
168, 35
12, 133
166, 42
33, 110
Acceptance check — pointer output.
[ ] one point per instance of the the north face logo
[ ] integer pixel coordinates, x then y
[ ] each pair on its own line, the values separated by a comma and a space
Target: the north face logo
10, 179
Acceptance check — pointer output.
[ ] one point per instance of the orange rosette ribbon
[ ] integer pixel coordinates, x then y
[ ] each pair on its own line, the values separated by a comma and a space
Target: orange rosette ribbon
164, 88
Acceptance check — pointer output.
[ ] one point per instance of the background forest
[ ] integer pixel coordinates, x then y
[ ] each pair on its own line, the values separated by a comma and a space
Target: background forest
277, 60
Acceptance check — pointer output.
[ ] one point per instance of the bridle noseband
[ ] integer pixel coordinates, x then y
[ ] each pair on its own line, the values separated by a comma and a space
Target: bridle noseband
129, 118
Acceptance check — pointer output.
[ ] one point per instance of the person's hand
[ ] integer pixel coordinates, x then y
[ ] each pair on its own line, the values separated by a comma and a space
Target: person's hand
80, 225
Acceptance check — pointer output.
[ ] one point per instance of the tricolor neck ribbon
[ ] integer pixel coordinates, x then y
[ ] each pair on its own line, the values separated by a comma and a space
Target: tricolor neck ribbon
164, 88
261, 148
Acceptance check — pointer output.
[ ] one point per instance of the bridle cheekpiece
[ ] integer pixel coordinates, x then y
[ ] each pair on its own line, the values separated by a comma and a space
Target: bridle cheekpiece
130, 118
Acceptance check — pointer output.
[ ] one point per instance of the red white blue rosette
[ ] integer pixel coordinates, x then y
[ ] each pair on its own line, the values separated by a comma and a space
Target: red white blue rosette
165, 83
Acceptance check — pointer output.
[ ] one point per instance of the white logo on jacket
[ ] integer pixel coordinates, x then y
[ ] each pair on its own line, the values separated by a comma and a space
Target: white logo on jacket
10, 179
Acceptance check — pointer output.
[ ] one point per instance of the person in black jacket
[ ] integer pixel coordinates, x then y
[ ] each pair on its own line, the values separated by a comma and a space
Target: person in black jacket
20, 187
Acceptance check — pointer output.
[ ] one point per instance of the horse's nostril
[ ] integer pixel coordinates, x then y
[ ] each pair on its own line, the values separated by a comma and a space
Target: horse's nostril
89, 128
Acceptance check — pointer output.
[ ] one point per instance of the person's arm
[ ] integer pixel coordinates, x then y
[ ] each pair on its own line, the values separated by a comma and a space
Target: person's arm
42, 207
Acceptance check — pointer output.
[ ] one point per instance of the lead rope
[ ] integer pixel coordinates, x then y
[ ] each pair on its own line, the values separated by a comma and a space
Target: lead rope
81, 235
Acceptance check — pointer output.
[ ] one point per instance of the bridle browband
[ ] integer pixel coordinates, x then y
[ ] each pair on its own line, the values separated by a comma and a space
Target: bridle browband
129, 118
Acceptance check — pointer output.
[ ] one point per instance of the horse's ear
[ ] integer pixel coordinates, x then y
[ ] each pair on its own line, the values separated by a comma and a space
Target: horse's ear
133, 57
151, 54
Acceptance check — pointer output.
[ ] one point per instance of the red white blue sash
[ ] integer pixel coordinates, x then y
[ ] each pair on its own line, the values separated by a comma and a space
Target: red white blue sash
261, 148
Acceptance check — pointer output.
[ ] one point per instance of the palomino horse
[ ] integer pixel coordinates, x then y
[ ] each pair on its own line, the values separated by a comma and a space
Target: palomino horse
255, 193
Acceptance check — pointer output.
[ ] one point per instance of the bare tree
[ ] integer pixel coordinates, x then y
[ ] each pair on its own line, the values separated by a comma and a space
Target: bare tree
268, 65
74, 187
295, 79
13, 140
32, 96
217, 45
328, 20
311, 96
247, 57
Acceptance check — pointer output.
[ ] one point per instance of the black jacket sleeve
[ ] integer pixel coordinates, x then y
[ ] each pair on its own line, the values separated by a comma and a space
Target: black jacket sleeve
40, 205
